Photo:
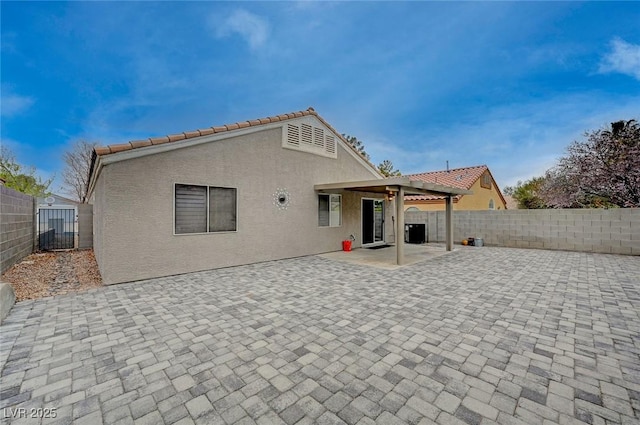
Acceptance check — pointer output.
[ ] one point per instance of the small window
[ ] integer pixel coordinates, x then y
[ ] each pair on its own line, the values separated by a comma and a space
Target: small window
329, 210
491, 204
485, 181
204, 209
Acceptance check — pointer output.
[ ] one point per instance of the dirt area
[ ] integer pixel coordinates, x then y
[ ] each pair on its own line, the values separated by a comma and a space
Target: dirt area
53, 273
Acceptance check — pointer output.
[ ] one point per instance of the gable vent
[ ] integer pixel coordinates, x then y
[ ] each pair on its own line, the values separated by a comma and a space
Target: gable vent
318, 137
293, 135
309, 138
330, 143
307, 134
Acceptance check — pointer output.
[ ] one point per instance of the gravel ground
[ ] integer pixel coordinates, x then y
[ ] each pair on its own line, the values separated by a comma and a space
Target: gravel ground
53, 273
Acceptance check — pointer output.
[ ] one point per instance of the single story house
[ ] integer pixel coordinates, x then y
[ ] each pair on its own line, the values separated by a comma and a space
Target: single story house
266, 189
486, 194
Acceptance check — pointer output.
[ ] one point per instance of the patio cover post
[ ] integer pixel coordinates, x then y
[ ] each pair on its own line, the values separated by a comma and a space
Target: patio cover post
449, 220
400, 226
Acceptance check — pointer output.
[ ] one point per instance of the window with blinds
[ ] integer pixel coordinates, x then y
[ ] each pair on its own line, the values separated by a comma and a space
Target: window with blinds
329, 210
205, 209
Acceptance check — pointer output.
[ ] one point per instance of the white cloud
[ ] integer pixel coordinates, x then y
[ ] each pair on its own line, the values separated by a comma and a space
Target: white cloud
13, 104
624, 58
253, 28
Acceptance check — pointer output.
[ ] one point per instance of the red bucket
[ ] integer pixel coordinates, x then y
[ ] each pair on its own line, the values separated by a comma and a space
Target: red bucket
346, 245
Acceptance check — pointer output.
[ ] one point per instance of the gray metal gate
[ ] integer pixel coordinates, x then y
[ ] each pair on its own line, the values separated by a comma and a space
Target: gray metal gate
56, 228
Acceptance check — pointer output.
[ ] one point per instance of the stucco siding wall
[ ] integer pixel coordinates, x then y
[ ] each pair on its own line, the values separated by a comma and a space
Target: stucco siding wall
615, 231
17, 226
85, 226
97, 203
480, 198
135, 223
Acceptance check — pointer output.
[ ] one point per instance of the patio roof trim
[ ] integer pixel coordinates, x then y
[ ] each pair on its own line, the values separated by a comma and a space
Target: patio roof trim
393, 184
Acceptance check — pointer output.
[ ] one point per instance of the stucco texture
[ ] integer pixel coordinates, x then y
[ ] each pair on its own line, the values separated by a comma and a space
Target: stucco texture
134, 202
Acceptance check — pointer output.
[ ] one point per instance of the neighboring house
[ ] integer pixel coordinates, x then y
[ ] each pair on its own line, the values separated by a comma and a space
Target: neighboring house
259, 190
486, 193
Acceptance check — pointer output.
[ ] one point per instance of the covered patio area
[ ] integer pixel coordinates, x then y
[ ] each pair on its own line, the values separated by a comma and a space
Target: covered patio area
385, 258
396, 188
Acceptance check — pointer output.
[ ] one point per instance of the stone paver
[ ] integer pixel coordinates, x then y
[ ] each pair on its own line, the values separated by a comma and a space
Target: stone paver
482, 335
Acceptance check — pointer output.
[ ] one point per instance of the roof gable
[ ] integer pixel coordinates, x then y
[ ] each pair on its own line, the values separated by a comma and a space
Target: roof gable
152, 141
463, 178
311, 135
117, 152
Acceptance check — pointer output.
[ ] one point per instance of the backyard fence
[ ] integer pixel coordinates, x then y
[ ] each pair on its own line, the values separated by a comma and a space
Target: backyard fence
17, 226
19, 235
615, 231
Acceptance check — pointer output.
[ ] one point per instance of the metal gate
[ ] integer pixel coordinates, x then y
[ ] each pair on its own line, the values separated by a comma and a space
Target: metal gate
56, 228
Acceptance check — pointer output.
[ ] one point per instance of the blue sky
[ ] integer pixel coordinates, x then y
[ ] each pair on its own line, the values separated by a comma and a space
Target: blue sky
505, 84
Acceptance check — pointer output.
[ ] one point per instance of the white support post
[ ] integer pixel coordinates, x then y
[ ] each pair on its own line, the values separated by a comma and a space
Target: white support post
449, 225
400, 226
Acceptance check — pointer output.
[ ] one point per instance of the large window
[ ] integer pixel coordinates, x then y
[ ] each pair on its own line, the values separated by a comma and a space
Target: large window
203, 209
329, 210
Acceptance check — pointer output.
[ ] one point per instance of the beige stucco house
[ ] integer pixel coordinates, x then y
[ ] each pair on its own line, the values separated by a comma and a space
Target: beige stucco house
259, 190
486, 195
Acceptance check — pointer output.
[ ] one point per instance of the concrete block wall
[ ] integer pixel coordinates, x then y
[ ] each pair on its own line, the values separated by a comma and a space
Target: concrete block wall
85, 226
17, 226
613, 231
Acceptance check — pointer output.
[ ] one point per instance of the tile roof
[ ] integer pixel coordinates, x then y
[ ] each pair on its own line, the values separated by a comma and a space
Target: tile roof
102, 151
462, 178
135, 144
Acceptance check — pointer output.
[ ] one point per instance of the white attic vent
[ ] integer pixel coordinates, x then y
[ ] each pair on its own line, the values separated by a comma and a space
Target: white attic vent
293, 135
318, 137
308, 135
330, 143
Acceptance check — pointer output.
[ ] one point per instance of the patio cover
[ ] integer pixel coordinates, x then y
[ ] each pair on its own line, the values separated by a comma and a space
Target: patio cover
399, 187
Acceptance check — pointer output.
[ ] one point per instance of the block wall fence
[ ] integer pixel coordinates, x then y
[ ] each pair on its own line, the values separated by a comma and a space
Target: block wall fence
17, 226
612, 231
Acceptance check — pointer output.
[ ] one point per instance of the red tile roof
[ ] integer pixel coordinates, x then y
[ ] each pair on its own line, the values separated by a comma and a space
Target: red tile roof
106, 150
136, 144
462, 178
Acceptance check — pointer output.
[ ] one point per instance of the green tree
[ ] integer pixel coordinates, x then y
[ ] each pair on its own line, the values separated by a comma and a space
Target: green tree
528, 195
387, 169
20, 178
357, 145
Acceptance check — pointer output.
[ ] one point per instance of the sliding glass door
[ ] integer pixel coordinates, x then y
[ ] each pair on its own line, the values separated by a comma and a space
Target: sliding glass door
372, 221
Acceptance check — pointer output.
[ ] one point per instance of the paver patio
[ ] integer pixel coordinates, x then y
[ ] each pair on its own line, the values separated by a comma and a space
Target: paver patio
483, 335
